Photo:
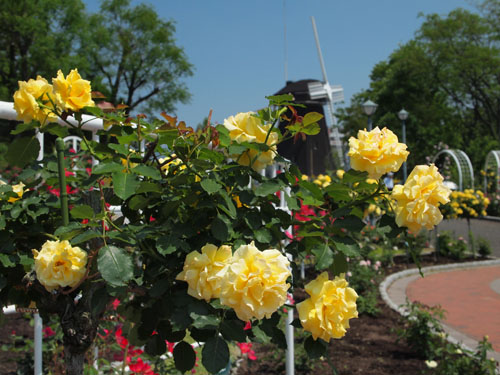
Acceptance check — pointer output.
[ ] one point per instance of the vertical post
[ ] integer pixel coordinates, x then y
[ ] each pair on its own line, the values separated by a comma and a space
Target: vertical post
290, 349
370, 124
404, 163
62, 181
95, 138
39, 136
38, 344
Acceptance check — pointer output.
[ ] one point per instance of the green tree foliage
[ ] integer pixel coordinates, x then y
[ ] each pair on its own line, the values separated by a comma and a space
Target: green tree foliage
134, 57
448, 78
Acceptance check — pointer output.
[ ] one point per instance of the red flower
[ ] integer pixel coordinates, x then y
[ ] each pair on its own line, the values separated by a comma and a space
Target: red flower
248, 326
48, 332
120, 340
246, 348
141, 368
85, 221
115, 303
68, 173
170, 346
72, 151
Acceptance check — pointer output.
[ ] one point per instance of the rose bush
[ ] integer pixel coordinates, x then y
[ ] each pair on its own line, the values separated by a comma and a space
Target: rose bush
159, 213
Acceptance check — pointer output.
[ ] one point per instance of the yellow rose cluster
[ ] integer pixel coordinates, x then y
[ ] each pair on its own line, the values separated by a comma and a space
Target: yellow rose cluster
322, 180
376, 152
418, 199
466, 204
58, 264
327, 312
245, 127
38, 100
252, 282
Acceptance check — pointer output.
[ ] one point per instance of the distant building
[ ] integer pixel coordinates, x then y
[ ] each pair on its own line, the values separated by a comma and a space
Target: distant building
313, 156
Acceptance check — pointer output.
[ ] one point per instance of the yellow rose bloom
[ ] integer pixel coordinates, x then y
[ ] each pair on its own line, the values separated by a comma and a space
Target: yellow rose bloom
376, 152
19, 190
327, 312
340, 173
244, 127
58, 264
26, 104
201, 271
419, 198
255, 282
72, 93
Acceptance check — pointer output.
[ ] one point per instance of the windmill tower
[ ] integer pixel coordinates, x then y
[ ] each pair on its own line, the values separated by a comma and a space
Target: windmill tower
330, 94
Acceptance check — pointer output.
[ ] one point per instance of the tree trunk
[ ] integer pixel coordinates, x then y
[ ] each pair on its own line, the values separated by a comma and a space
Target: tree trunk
74, 361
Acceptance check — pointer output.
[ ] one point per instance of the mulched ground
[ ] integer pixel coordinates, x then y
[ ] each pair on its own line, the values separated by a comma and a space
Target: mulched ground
369, 347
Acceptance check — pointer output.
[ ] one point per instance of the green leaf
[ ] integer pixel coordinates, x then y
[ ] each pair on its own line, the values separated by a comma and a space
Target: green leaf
147, 171
121, 149
184, 356
266, 188
339, 264
351, 223
263, 235
149, 187
156, 346
311, 118
6, 261
324, 256
292, 203
85, 236
339, 192
138, 202
232, 330
204, 321
215, 354
55, 129
115, 265
109, 167
22, 127
82, 212
352, 176
314, 348
170, 243
124, 184
219, 229
210, 186
22, 151
347, 246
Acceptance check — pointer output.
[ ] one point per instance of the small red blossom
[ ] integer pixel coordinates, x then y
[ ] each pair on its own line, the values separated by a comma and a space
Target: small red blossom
140, 367
115, 303
85, 221
72, 151
170, 346
48, 332
69, 173
246, 348
248, 325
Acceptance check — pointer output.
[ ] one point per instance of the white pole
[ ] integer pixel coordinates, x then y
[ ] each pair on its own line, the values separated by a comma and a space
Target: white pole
289, 365
38, 344
39, 136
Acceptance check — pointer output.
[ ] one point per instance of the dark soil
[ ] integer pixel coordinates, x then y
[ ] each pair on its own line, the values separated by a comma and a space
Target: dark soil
369, 346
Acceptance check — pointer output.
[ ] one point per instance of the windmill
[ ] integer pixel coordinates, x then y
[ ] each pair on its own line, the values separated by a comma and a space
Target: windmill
330, 94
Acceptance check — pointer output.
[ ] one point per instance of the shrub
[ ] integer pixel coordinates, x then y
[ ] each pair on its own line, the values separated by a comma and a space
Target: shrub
451, 248
483, 247
420, 328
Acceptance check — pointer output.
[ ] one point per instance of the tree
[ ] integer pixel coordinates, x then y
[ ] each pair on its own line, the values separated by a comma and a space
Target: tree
134, 57
38, 37
448, 79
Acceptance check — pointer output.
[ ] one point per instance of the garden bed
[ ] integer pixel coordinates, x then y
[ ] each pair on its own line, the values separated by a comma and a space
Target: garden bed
369, 346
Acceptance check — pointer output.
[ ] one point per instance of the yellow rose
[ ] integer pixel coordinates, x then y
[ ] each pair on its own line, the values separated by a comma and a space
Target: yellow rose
327, 312
255, 282
376, 152
19, 190
244, 127
72, 93
27, 98
59, 265
419, 198
340, 173
201, 271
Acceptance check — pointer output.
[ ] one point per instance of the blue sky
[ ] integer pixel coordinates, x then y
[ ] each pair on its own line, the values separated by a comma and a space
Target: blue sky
238, 47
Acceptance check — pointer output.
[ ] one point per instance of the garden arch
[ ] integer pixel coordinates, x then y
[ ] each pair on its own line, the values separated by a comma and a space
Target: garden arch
464, 167
492, 163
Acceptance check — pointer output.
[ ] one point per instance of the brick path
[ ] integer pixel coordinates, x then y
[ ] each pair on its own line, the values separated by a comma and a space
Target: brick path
470, 297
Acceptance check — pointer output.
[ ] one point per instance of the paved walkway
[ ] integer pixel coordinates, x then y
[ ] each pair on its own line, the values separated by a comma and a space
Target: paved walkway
470, 296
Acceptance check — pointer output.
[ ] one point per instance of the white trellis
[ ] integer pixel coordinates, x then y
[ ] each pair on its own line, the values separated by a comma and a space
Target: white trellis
492, 163
464, 167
